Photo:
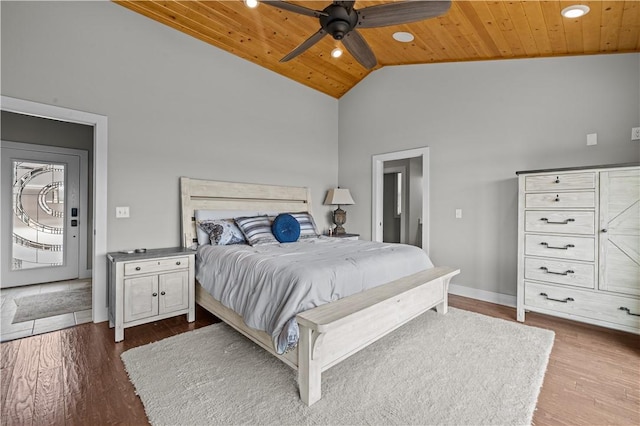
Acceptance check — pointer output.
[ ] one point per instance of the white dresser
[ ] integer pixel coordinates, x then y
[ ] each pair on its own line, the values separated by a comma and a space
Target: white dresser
579, 244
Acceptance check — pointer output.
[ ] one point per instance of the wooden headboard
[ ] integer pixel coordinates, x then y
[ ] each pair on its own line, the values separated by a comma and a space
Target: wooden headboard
198, 194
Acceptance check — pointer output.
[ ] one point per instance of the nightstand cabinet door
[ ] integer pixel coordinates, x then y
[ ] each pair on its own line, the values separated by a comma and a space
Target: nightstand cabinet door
140, 298
174, 292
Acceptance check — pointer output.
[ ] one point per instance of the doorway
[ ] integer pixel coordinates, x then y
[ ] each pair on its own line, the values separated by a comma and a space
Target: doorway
409, 199
394, 211
44, 214
98, 249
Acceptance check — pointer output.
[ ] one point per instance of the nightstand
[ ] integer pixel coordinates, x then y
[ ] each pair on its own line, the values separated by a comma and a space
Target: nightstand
150, 286
344, 236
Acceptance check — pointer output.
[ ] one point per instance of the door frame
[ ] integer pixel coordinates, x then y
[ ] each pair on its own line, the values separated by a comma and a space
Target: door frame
100, 141
377, 186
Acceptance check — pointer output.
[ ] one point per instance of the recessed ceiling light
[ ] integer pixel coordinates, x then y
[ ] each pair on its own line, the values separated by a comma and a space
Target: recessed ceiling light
336, 53
251, 3
403, 37
575, 11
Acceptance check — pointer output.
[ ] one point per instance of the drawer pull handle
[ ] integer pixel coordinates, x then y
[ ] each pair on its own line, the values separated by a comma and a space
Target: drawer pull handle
557, 180
622, 308
567, 272
137, 268
162, 293
568, 299
178, 262
557, 199
154, 294
566, 247
550, 222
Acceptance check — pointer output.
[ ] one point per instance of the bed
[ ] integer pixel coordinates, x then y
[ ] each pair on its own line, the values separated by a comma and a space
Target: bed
328, 333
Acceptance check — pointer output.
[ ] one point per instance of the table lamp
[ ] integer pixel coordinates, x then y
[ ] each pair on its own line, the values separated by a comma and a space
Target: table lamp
339, 196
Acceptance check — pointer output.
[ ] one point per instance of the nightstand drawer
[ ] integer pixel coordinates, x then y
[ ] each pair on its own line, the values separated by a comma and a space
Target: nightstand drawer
560, 200
156, 265
560, 222
558, 182
560, 272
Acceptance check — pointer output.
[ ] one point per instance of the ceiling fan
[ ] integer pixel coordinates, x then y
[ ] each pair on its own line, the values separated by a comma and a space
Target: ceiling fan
341, 20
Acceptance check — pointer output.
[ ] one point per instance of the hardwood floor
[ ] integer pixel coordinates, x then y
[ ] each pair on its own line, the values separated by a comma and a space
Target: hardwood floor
75, 375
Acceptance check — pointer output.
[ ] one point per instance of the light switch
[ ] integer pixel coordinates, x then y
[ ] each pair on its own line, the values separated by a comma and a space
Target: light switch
592, 139
458, 213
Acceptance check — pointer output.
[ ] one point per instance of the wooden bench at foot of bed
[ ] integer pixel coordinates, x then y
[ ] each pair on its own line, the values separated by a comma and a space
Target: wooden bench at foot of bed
331, 333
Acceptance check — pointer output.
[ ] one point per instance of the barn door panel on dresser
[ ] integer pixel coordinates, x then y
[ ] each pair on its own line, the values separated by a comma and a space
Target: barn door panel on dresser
620, 231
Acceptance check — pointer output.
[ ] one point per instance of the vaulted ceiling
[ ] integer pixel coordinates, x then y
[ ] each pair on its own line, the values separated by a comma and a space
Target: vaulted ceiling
469, 31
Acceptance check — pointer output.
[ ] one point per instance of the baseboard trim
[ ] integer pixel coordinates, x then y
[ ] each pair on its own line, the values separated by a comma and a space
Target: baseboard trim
487, 296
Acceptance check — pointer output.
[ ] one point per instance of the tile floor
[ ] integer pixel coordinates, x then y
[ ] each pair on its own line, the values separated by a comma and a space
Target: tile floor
8, 308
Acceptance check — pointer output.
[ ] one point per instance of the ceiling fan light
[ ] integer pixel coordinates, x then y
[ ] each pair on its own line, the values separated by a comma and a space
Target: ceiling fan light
575, 11
336, 53
251, 3
403, 37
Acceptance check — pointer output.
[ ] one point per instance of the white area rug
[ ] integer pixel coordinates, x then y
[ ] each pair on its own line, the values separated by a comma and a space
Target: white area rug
460, 368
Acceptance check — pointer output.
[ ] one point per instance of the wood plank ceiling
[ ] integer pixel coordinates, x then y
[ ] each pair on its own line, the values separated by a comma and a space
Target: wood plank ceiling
470, 31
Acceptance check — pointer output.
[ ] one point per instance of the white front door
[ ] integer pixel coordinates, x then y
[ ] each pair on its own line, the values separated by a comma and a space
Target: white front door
40, 191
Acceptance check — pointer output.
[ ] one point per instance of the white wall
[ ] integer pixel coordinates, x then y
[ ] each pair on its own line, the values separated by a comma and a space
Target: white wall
483, 121
176, 107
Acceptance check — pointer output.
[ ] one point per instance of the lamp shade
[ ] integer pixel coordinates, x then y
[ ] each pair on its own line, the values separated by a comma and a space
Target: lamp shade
338, 196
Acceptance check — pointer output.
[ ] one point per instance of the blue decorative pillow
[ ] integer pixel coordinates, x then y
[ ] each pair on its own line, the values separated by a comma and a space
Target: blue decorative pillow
286, 228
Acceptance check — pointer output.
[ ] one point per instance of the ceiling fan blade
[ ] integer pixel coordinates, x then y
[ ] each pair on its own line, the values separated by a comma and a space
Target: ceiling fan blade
400, 13
359, 49
305, 45
295, 8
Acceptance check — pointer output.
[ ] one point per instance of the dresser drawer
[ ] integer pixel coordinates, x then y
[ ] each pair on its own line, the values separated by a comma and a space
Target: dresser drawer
557, 182
156, 265
583, 304
560, 272
561, 200
560, 222
560, 247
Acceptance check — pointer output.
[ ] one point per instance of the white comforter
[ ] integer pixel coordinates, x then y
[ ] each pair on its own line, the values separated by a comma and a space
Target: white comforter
269, 285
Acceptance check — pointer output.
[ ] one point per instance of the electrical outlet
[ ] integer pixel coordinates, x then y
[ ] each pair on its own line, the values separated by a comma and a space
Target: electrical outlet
122, 212
635, 134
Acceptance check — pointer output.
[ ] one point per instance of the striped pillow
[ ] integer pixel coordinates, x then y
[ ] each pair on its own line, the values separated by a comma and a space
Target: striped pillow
256, 229
307, 225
